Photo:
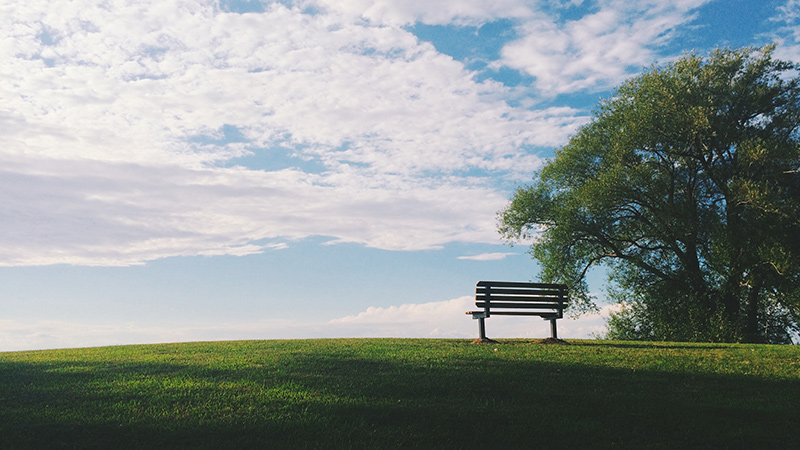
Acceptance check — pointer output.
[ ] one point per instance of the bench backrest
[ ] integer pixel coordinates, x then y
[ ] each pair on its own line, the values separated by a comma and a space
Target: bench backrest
521, 297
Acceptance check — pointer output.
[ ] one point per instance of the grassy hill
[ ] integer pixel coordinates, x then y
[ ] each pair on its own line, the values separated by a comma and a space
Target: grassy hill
388, 393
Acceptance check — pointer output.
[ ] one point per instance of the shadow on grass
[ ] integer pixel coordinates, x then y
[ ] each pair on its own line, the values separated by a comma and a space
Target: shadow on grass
633, 344
339, 400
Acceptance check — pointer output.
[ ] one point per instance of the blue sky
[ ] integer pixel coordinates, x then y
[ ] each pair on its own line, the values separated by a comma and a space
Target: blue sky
182, 170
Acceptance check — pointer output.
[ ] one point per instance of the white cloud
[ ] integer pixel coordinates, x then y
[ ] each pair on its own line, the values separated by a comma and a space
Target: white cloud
113, 116
598, 50
434, 319
101, 213
613, 40
448, 319
399, 13
487, 256
50, 334
789, 12
442, 319
280, 76
788, 33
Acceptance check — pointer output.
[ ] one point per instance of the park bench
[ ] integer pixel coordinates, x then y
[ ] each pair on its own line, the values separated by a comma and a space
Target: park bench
519, 299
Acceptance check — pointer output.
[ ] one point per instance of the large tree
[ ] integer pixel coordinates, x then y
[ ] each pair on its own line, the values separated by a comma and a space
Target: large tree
685, 185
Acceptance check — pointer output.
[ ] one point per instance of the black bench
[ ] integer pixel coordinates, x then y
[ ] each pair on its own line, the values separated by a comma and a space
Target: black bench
519, 299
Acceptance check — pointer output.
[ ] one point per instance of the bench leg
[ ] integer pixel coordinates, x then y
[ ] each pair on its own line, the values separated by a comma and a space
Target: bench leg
553, 332
482, 329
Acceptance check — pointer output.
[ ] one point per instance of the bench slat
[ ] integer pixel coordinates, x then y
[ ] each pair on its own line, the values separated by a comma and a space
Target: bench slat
500, 291
519, 298
502, 304
518, 313
502, 284
523, 313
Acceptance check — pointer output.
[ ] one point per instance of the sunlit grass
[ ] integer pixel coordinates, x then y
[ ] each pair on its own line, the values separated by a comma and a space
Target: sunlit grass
387, 393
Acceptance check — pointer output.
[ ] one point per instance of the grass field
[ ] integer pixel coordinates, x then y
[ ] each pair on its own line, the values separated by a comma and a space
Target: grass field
389, 393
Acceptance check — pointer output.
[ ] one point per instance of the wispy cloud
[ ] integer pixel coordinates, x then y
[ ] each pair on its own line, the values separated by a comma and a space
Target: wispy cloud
788, 34
595, 51
100, 213
487, 256
438, 319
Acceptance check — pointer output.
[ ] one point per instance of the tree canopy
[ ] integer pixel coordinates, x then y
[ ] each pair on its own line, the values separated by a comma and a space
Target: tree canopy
685, 186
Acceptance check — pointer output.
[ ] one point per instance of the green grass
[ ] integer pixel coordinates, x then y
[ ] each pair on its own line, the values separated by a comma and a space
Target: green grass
388, 393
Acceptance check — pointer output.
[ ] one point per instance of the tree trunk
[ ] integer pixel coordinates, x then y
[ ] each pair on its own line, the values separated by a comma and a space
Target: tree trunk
751, 331
730, 302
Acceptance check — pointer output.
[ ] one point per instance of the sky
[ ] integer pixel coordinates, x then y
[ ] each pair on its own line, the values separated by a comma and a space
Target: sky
187, 170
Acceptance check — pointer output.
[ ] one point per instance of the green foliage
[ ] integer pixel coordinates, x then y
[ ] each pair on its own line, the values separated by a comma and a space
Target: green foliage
685, 185
393, 393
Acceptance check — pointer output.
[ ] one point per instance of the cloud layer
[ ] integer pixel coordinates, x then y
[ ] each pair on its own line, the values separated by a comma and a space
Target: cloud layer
136, 130
115, 119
